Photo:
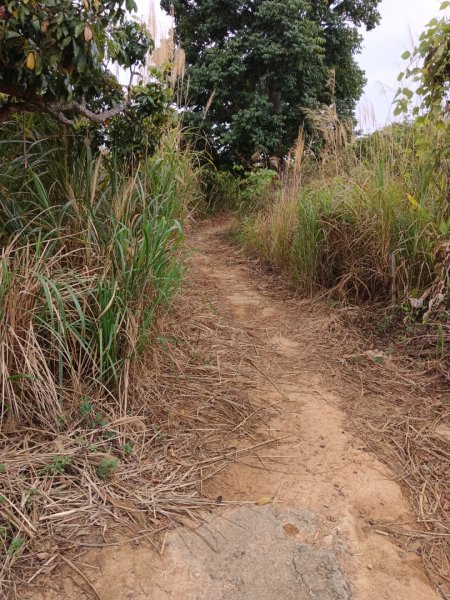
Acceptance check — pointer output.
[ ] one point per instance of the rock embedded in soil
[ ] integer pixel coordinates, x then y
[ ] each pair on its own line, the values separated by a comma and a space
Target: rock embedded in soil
259, 553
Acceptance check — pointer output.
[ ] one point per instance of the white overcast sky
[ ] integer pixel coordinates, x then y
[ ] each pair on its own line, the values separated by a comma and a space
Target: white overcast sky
402, 23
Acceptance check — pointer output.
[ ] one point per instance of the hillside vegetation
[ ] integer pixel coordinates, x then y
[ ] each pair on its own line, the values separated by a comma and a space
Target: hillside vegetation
95, 187
366, 218
366, 224
110, 413
90, 257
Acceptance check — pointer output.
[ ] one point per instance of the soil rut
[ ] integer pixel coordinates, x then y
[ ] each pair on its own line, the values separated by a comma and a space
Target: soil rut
309, 501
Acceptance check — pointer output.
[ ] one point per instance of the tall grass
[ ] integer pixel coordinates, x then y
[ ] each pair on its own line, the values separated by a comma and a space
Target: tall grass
89, 260
367, 230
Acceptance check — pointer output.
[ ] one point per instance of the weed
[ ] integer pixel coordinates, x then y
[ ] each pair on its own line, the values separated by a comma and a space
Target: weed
98, 420
85, 407
160, 436
127, 449
58, 466
107, 467
15, 546
31, 494
384, 324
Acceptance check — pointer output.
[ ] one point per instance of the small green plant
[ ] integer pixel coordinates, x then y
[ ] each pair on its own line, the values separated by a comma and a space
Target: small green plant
98, 420
85, 407
254, 188
2, 468
127, 449
94, 419
31, 494
15, 546
107, 467
159, 434
384, 324
58, 465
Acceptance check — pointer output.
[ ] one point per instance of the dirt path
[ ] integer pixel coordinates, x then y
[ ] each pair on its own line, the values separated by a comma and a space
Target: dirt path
312, 533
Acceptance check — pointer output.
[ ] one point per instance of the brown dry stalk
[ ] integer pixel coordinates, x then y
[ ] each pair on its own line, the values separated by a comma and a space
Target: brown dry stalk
189, 417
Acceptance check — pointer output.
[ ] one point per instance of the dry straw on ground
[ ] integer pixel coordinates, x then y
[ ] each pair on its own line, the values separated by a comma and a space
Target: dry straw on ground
400, 407
406, 422
189, 416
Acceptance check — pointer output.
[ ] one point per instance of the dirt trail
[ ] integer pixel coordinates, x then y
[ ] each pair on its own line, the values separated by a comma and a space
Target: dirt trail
320, 491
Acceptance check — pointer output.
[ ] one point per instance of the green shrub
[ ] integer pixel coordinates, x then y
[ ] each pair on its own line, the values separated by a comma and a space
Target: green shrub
242, 191
107, 467
221, 190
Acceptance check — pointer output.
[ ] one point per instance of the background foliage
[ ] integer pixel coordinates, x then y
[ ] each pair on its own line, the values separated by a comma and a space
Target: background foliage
253, 67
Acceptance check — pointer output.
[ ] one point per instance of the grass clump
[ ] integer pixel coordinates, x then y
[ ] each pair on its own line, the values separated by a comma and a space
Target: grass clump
367, 232
90, 259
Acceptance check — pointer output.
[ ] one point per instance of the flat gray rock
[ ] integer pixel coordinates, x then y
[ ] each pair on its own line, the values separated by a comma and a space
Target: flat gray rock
258, 553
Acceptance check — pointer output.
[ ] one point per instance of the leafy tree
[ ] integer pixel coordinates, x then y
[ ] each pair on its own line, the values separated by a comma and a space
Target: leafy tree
253, 65
424, 95
428, 72
54, 56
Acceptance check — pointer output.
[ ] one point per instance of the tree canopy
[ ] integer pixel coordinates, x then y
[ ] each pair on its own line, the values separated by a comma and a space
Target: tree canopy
54, 57
253, 65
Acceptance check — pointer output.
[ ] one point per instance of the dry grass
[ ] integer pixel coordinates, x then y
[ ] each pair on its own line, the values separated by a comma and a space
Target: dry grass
370, 213
188, 417
403, 416
399, 406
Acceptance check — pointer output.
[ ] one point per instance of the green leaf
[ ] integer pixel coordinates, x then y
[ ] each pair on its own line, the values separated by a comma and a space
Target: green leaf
12, 34
79, 29
81, 63
408, 93
406, 55
38, 66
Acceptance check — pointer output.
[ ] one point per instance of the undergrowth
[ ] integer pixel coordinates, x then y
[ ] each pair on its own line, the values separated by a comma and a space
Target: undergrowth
90, 261
367, 232
90, 256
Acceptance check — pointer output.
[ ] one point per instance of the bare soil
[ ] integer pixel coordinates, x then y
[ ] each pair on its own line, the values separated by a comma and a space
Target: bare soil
297, 518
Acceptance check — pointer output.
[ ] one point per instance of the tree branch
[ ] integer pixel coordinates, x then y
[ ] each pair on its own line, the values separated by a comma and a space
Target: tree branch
28, 102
